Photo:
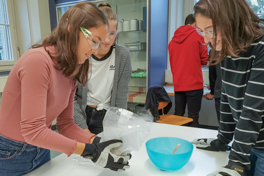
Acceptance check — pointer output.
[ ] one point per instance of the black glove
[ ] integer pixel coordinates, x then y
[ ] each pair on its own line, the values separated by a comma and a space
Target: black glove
210, 144
96, 140
101, 154
232, 169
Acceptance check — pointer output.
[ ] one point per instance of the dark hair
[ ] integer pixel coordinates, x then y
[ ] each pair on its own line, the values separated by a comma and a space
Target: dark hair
108, 11
236, 21
190, 19
65, 39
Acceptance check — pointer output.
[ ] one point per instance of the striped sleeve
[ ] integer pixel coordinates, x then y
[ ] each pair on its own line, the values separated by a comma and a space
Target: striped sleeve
248, 127
227, 122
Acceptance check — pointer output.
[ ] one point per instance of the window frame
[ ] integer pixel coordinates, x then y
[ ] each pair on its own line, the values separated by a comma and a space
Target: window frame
7, 65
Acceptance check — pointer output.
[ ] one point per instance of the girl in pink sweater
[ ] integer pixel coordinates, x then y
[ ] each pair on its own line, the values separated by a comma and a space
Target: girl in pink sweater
41, 88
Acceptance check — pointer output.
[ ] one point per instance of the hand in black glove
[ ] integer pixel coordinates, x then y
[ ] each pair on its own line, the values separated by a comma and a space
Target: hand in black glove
210, 144
232, 169
101, 154
96, 140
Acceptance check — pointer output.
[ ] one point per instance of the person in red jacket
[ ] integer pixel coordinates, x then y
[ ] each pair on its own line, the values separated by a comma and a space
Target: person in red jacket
188, 53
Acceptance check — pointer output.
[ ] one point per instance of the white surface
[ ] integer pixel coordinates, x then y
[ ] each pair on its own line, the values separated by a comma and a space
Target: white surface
170, 89
200, 164
168, 76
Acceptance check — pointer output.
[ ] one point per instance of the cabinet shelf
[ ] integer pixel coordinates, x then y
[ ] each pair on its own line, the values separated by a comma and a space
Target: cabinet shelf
136, 50
136, 46
123, 32
137, 94
138, 77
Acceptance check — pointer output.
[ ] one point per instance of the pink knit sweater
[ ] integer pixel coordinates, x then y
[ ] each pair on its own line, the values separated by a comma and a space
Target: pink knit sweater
35, 95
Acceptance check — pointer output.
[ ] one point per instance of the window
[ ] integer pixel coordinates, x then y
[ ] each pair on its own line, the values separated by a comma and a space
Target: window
8, 37
195, 1
61, 11
257, 6
6, 53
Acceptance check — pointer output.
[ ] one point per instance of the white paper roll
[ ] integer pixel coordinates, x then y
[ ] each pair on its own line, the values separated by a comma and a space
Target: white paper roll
134, 25
126, 26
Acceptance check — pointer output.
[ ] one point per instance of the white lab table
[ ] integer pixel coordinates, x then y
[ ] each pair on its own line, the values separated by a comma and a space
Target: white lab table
201, 162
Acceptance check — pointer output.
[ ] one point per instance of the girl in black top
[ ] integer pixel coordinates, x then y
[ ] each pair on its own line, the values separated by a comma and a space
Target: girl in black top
236, 33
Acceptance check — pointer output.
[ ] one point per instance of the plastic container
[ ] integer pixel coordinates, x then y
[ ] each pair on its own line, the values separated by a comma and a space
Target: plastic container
140, 25
134, 25
160, 152
127, 126
126, 26
144, 18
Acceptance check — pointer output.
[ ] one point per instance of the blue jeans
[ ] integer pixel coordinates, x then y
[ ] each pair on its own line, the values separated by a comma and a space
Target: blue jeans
18, 158
257, 163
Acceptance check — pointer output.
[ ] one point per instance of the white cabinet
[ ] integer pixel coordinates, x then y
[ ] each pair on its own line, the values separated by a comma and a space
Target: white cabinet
143, 29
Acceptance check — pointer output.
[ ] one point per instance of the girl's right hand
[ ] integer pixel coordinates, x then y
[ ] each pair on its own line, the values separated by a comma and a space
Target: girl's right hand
101, 154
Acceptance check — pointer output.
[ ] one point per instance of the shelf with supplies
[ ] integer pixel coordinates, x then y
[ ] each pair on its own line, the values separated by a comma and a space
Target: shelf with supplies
136, 46
138, 76
137, 94
123, 32
137, 20
139, 73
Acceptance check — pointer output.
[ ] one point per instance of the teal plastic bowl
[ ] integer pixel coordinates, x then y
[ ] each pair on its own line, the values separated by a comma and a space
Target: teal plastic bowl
160, 152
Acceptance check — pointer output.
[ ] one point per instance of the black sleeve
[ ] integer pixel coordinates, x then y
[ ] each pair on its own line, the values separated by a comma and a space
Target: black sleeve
212, 78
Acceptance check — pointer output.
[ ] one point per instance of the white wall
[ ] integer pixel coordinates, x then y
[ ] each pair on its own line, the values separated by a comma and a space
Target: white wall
188, 8
44, 18
179, 10
175, 20
22, 25
32, 22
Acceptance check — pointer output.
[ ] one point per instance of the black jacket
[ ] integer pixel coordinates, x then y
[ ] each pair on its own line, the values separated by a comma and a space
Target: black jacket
156, 95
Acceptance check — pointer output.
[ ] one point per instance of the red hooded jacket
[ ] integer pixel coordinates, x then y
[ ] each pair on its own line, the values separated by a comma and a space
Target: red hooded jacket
187, 52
